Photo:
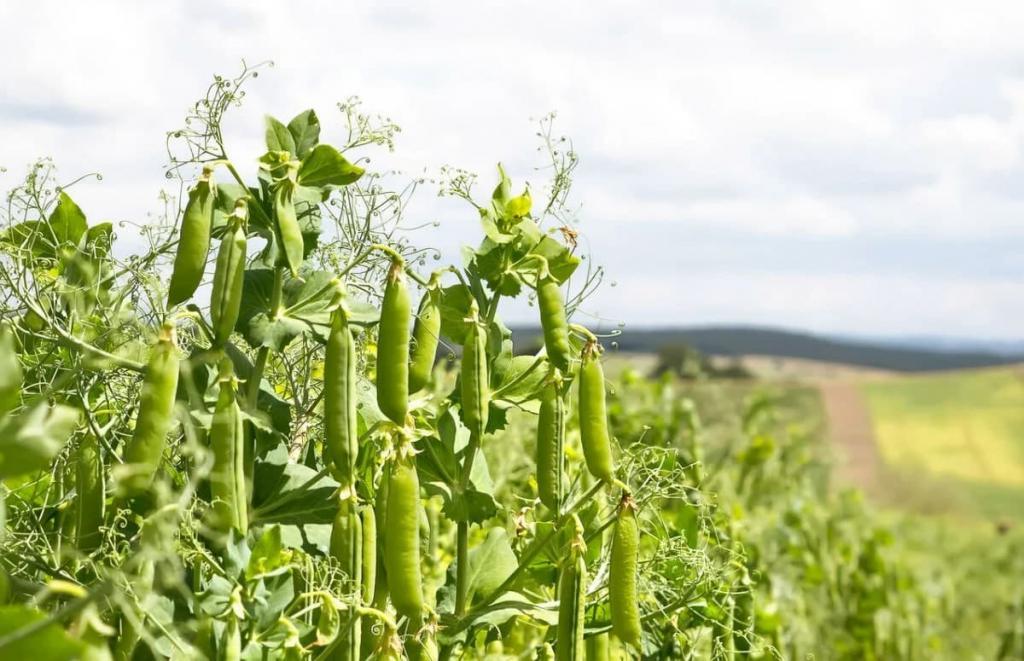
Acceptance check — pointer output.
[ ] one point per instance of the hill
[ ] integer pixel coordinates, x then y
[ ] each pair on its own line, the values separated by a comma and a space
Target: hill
741, 341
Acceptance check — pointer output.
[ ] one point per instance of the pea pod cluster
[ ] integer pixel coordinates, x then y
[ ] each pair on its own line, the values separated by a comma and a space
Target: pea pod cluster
193, 241
393, 346
156, 412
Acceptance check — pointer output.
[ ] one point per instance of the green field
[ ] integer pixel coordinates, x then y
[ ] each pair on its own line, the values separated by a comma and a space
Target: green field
953, 439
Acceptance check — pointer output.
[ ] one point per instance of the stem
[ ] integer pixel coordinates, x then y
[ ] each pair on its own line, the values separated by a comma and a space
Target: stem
462, 538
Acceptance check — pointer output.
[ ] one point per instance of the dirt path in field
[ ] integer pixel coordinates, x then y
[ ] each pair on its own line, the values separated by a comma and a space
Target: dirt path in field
849, 427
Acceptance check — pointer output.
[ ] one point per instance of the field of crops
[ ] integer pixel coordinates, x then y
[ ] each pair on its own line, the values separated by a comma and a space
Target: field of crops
239, 443
957, 434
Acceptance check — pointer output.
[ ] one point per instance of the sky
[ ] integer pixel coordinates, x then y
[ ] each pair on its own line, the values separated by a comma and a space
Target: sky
850, 168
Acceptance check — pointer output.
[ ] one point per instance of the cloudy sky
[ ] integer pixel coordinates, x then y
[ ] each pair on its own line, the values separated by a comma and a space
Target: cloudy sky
838, 167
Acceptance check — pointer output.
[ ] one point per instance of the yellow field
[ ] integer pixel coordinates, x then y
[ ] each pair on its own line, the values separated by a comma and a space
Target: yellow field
963, 427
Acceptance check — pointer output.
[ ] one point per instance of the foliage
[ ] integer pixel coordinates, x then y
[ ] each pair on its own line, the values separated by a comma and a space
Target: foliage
299, 502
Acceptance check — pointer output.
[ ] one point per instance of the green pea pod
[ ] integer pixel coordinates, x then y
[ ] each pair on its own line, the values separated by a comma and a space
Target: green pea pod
593, 415
91, 488
347, 549
372, 631
193, 242
289, 234
551, 446
402, 539
10, 371
572, 596
553, 322
598, 648
227, 442
622, 594
228, 278
426, 334
475, 390
369, 553
393, 347
340, 423
156, 412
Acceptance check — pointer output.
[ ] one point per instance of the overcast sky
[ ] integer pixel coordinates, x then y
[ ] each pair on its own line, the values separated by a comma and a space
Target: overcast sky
837, 167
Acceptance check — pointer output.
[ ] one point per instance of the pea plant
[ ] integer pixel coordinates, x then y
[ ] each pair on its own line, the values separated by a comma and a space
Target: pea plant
239, 443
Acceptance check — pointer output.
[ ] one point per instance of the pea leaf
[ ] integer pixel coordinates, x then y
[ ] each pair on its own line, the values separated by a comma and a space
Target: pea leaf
30, 440
325, 166
454, 306
67, 222
306, 307
290, 493
278, 137
305, 129
48, 641
490, 563
268, 557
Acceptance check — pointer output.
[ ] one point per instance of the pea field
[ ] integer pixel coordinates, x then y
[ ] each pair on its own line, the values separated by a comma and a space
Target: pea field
275, 427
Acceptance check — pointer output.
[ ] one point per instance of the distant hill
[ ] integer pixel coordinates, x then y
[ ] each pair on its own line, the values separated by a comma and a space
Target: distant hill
740, 340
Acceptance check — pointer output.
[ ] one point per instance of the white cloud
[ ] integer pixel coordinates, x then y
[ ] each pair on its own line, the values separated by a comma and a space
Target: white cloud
895, 122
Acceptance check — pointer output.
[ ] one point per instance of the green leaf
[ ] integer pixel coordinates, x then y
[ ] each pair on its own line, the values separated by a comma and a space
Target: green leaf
268, 557
10, 371
519, 207
454, 306
305, 307
48, 642
325, 166
290, 493
278, 137
521, 381
30, 440
305, 129
490, 563
67, 222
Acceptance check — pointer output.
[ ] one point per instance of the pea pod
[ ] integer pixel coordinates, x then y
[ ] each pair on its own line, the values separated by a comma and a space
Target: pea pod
572, 595
193, 241
475, 390
594, 417
598, 648
341, 438
426, 334
393, 347
92, 495
373, 552
553, 322
287, 230
228, 278
347, 549
227, 442
156, 410
402, 539
369, 553
551, 446
622, 594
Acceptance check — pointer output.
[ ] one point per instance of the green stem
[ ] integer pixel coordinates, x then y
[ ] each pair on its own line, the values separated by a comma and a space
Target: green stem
462, 532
